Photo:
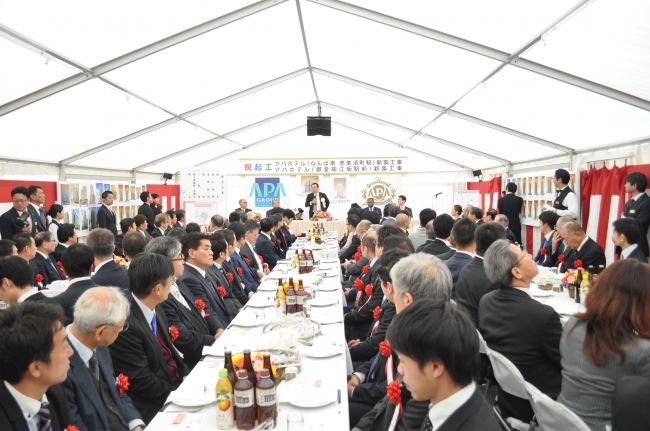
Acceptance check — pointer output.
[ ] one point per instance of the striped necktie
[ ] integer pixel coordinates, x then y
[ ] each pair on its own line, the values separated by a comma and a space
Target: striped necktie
44, 422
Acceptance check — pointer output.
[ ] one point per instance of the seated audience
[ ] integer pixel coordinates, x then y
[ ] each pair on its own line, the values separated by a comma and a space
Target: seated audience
490, 215
31, 394
216, 223
67, 235
192, 227
133, 244
584, 248
144, 353
456, 212
181, 308
8, 248
438, 350
142, 224
264, 246
162, 221
503, 221
547, 221
246, 250
25, 246
390, 212
354, 268
234, 217
626, 234
42, 264
78, 262
177, 233
403, 222
274, 204
247, 274
107, 272
172, 221
243, 207
180, 219
441, 226
16, 282
95, 403
475, 214
385, 232
519, 327
240, 288
126, 225
463, 233
473, 282
558, 247
419, 237
219, 254
607, 342
353, 241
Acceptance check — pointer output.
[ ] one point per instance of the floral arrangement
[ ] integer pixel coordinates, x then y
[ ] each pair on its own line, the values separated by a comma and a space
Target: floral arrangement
122, 262
569, 278
258, 217
257, 359
319, 215
316, 236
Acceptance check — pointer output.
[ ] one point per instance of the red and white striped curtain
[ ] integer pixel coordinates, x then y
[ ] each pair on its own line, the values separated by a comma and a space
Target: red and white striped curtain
490, 192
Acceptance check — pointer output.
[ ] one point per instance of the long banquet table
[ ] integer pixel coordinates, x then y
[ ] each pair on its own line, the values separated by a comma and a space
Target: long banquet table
331, 371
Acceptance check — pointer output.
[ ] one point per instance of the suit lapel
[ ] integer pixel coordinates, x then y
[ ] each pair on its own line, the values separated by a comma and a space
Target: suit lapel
80, 372
194, 313
11, 409
137, 314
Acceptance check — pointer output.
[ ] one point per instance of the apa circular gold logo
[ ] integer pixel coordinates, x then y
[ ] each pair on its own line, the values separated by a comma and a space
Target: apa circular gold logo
382, 192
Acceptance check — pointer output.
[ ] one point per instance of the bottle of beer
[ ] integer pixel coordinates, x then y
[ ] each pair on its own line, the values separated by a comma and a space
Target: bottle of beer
291, 300
576, 285
244, 401
232, 376
266, 407
303, 262
248, 366
310, 262
300, 298
590, 270
267, 364
225, 413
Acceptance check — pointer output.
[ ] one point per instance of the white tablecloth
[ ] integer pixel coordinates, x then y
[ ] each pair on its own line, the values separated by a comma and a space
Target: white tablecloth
331, 371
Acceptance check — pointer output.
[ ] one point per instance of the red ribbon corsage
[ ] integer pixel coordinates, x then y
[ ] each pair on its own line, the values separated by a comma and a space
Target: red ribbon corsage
543, 251
71, 428
122, 383
39, 278
365, 269
578, 263
561, 258
369, 289
230, 276
356, 256
376, 312
358, 284
60, 266
248, 262
221, 291
173, 333
150, 237
240, 271
384, 348
261, 258
200, 304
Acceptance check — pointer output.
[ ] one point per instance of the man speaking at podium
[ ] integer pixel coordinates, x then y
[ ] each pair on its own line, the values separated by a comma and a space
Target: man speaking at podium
316, 201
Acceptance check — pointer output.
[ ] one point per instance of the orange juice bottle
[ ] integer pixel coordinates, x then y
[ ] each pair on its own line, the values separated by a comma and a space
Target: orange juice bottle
225, 413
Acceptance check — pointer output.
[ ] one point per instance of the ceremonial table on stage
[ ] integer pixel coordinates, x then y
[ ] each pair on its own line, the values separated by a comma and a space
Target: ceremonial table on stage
330, 372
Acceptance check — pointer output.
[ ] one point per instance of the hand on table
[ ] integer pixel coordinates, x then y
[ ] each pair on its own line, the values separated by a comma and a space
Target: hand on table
266, 270
218, 334
353, 343
353, 383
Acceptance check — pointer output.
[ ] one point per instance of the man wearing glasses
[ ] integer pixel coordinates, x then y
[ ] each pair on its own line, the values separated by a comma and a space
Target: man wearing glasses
95, 398
43, 264
9, 225
519, 327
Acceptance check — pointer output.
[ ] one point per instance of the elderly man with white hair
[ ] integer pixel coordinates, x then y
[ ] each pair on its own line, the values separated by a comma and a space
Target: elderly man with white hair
503, 221
98, 400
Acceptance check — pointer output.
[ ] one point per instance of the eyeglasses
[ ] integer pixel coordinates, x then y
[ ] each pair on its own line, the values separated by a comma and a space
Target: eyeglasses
19, 201
123, 328
520, 259
179, 258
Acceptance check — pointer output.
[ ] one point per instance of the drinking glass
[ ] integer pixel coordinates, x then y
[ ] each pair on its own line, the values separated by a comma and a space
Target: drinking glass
295, 422
209, 392
291, 378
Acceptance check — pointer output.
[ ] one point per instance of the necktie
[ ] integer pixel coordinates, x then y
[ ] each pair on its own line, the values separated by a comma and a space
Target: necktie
179, 297
93, 367
629, 203
428, 426
41, 211
154, 325
374, 364
44, 422
54, 267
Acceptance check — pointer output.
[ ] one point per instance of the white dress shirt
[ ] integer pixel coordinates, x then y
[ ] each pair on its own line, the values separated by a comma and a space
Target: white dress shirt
440, 412
201, 271
317, 196
524, 289
100, 265
571, 202
179, 296
625, 253
30, 292
148, 313
74, 280
29, 406
257, 259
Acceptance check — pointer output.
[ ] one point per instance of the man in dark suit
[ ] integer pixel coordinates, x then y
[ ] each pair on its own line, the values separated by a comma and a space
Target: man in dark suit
626, 235
181, 307
463, 233
219, 277
533, 345
243, 207
583, 247
247, 250
96, 401
442, 226
371, 207
401, 203
476, 215
107, 272
105, 216
638, 207
316, 201
629, 407
403, 222
146, 210
17, 280
547, 222
197, 251
126, 225
162, 222
510, 205
67, 235
244, 271
35, 208
502, 219
180, 219
274, 204
8, 225
390, 212
240, 287
263, 246
31, 396
558, 247
419, 237
473, 283
352, 222
43, 264
78, 261
145, 353
437, 335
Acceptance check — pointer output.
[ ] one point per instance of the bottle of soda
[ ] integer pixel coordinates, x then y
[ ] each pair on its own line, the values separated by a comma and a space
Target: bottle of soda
266, 407
280, 302
244, 401
291, 300
300, 298
225, 413
232, 376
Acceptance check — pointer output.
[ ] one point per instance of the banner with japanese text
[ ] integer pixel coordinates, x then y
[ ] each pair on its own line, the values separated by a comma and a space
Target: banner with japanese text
353, 165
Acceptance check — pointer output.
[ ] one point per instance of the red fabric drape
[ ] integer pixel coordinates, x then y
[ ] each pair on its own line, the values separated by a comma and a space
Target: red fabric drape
49, 188
487, 188
170, 190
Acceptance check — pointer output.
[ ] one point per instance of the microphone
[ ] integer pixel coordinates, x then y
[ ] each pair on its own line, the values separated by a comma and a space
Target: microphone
436, 195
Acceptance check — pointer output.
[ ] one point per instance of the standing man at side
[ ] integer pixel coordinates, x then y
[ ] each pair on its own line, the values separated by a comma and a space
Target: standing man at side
8, 221
146, 210
401, 201
35, 208
638, 207
566, 201
510, 206
316, 201
106, 217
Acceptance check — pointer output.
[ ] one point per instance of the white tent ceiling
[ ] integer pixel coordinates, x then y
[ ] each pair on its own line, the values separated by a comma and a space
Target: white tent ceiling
153, 86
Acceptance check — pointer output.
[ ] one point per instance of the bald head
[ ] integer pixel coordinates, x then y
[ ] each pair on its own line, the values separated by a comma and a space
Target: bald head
362, 228
402, 220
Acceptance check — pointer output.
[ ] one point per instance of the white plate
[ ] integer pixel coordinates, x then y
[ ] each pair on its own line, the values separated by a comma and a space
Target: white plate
327, 287
320, 352
326, 320
187, 402
322, 302
542, 293
310, 403
268, 286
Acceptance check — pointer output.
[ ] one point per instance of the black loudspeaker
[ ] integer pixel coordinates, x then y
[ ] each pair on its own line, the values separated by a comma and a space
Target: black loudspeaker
168, 176
319, 126
477, 173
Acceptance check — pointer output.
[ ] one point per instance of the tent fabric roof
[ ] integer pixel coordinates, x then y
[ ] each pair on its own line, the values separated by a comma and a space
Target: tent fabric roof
470, 84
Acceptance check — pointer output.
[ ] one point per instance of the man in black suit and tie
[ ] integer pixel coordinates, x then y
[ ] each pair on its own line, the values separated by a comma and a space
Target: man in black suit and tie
441, 226
181, 307
439, 349
583, 248
390, 212
510, 205
402, 221
162, 222
371, 207
219, 277
8, 225
240, 287
16, 282
180, 219
78, 261
263, 246
197, 251
626, 235
638, 207
463, 233
107, 271
105, 216
316, 201
43, 264
145, 353
67, 235
243, 207
401, 203
31, 396
36, 210
533, 344
247, 250
547, 222
274, 204
146, 210
502, 219
96, 401
476, 215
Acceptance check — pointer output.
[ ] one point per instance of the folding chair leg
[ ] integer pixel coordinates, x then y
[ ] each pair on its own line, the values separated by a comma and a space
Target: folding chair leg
503, 423
487, 386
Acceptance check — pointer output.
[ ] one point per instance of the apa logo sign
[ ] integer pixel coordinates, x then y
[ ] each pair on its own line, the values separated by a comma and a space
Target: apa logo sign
266, 190
382, 192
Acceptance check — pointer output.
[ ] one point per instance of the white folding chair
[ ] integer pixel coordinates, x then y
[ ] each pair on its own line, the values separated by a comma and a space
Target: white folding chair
507, 374
482, 345
551, 415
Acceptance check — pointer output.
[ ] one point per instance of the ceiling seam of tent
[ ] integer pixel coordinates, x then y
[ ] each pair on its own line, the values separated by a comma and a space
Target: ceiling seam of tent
132, 56
486, 51
304, 41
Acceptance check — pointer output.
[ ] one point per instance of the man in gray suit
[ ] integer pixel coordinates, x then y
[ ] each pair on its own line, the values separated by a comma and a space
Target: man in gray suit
97, 401
393, 210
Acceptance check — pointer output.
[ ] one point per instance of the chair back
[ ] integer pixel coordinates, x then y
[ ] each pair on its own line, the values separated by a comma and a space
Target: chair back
482, 345
551, 415
507, 374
